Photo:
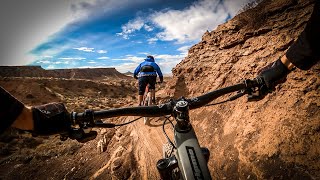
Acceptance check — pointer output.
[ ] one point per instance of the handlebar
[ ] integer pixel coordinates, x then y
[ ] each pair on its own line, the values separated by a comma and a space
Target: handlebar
210, 96
148, 111
89, 116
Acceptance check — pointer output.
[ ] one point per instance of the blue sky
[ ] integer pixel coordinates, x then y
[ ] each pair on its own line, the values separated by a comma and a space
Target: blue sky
106, 33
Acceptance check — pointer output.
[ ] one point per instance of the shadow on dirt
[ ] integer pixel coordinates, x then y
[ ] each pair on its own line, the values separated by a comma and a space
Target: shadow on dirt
156, 122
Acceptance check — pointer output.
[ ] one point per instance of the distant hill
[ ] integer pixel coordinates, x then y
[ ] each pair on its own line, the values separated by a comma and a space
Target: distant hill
38, 71
128, 73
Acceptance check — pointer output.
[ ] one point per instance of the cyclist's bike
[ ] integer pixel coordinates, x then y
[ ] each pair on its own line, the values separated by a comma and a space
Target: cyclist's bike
187, 160
147, 101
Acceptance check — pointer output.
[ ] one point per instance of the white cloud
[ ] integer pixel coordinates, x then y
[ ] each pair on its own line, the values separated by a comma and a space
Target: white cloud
125, 67
51, 67
148, 28
134, 59
130, 27
46, 56
72, 58
152, 40
44, 62
134, 25
167, 62
144, 53
102, 51
85, 49
188, 24
103, 58
184, 50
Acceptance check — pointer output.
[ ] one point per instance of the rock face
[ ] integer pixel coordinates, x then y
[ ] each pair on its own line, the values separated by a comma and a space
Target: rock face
37, 71
275, 138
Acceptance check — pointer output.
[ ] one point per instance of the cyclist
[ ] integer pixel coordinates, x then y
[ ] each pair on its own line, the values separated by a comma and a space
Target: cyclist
303, 53
146, 73
47, 119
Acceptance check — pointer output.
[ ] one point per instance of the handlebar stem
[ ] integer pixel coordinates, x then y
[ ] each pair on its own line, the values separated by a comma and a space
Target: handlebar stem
181, 114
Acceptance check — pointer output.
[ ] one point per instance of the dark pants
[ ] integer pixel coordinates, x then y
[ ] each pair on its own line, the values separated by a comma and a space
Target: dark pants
144, 81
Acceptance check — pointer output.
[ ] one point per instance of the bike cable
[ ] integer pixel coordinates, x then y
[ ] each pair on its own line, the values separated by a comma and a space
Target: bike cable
123, 124
238, 95
165, 133
111, 125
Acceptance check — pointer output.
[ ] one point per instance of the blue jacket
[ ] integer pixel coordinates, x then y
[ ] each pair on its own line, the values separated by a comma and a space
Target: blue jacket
149, 62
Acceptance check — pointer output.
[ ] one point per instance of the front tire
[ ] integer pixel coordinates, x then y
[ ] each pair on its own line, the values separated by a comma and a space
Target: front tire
167, 150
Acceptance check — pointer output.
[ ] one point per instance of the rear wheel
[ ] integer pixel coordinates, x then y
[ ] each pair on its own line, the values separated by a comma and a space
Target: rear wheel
147, 102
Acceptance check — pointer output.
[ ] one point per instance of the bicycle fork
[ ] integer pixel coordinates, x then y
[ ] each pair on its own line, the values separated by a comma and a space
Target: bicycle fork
166, 166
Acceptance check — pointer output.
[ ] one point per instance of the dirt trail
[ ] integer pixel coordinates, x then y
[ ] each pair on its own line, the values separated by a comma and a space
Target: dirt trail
145, 146
148, 140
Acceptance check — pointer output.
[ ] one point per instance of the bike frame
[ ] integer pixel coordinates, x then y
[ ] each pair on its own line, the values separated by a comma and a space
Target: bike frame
189, 157
191, 161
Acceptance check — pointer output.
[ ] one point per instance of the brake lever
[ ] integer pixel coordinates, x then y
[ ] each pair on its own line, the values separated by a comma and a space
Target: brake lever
104, 125
254, 94
255, 89
81, 128
238, 95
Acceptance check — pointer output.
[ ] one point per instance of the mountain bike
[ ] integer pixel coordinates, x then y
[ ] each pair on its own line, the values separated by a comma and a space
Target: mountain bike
187, 160
148, 100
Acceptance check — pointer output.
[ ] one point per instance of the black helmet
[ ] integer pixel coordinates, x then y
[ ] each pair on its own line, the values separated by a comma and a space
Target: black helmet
151, 57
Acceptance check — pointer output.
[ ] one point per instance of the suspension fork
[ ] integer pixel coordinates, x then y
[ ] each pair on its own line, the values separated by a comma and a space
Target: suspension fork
165, 167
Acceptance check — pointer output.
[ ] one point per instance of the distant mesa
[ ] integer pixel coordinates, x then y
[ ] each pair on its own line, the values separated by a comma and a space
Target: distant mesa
129, 73
77, 73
